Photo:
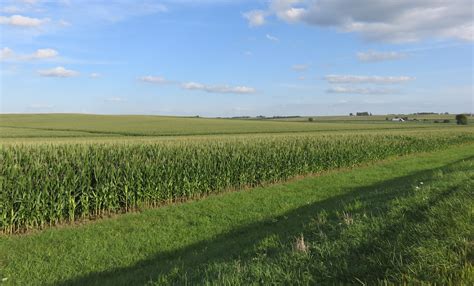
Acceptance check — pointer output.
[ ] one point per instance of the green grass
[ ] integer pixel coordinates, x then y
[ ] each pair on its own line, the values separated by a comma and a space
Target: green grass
134, 125
371, 224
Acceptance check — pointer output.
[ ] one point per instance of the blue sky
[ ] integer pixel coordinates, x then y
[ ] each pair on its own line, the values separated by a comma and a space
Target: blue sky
231, 58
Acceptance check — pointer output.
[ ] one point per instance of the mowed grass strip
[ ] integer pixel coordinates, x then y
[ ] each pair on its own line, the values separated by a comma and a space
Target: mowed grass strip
408, 219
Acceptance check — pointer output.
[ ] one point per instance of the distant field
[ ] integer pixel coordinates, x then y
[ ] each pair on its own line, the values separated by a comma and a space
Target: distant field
76, 125
429, 118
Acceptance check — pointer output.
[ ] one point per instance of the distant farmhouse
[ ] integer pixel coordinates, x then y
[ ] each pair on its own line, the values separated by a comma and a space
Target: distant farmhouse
398, 119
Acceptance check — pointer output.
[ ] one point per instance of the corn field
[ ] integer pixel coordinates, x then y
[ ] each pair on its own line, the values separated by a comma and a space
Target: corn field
44, 185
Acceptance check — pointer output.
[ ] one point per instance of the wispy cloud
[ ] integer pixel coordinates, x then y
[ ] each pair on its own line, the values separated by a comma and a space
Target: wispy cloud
7, 54
58, 72
272, 38
255, 18
95, 75
300, 67
367, 79
218, 88
154, 79
199, 86
360, 90
11, 9
22, 21
375, 56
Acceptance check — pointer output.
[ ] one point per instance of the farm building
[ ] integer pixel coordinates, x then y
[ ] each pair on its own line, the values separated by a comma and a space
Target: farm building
397, 119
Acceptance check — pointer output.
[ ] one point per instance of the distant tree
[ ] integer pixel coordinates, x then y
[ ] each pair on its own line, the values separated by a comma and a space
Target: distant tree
461, 119
351, 114
310, 119
386, 118
446, 121
362, 114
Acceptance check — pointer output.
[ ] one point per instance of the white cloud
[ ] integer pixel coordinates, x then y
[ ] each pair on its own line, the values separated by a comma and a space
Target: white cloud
285, 10
58, 72
31, 2
374, 56
11, 9
272, 38
6, 54
40, 54
218, 88
95, 75
64, 23
389, 21
44, 54
367, 79
22, 21
359, 90
300, 67
153, 79
255, 18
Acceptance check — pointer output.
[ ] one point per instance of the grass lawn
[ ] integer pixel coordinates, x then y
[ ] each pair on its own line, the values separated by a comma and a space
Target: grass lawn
406, 219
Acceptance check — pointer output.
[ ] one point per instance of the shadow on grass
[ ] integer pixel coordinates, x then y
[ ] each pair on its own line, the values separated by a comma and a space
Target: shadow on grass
240, 243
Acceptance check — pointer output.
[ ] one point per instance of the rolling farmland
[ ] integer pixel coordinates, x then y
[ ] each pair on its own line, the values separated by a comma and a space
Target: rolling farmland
59, 170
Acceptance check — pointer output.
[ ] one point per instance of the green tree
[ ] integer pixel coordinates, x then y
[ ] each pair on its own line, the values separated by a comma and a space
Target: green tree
461, 119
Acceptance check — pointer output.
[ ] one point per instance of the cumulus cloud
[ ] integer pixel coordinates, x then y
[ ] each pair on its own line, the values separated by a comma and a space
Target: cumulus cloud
199, 86
286, 10
44, 54
374, 56
22, 21
355, 79
58, 72
95, 75
218, 88
300, 67
255, 18
153, 79
40, 54
272, 38
359, 90
390, 21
